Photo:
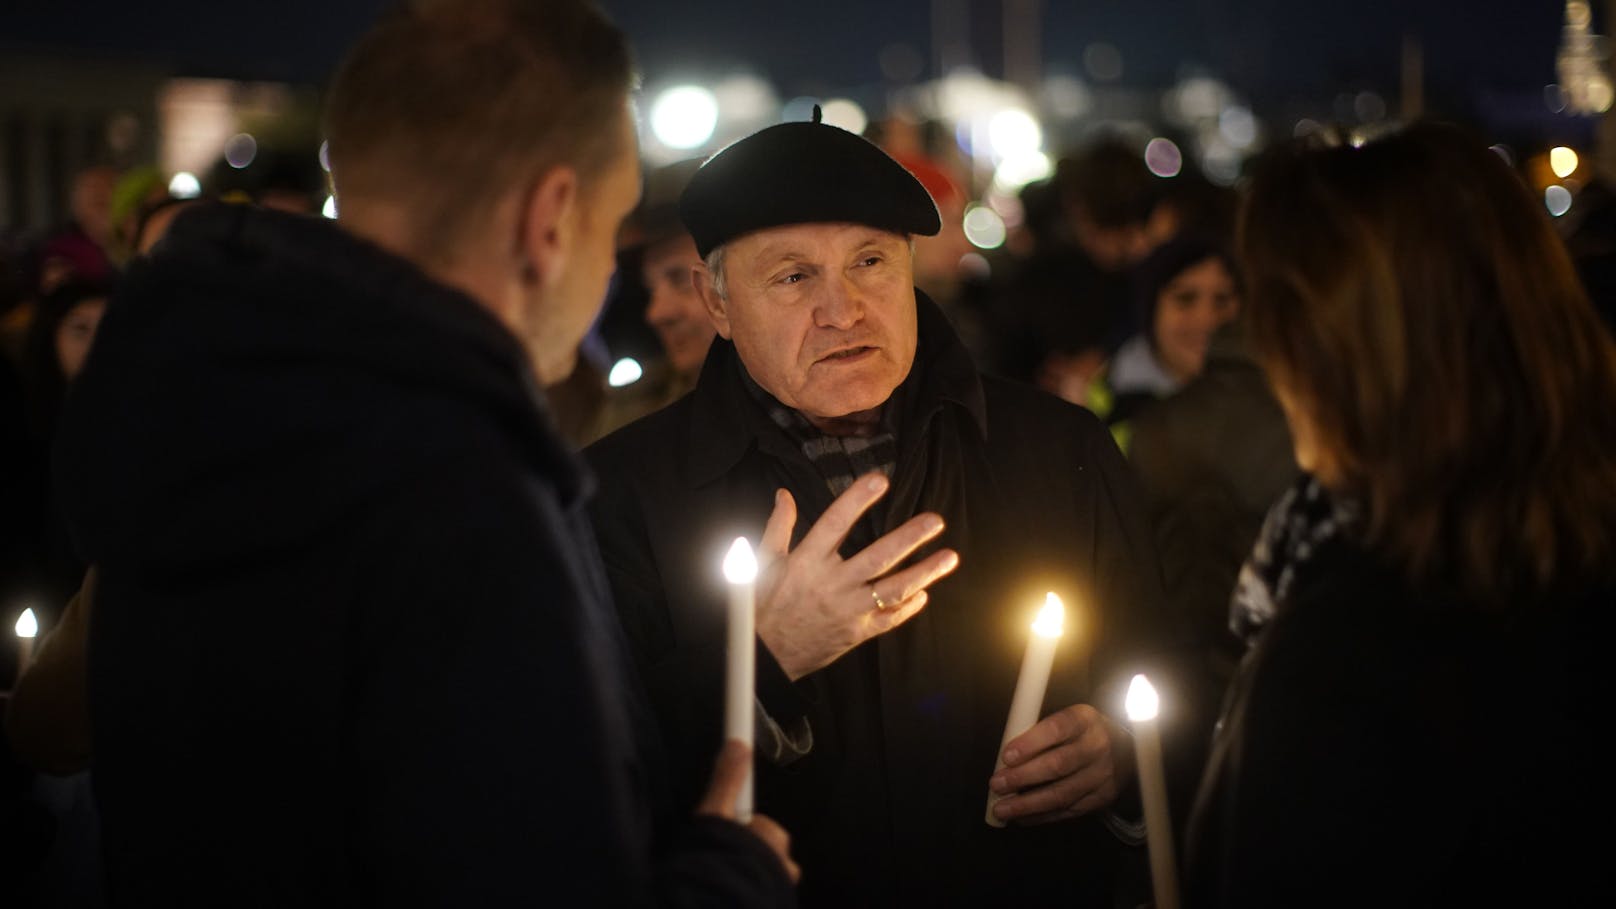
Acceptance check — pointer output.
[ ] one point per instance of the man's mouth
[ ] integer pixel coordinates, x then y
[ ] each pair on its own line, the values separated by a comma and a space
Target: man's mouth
846, 354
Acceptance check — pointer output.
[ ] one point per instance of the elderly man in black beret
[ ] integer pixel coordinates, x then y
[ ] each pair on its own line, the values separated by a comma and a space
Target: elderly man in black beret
912, 513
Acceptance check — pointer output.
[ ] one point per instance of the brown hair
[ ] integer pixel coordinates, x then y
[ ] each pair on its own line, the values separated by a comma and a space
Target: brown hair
450, 103
1412, 302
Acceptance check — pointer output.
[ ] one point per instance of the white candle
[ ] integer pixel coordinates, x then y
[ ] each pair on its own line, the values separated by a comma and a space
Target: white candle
27, 629
1142, 705
740, 569
1027, 704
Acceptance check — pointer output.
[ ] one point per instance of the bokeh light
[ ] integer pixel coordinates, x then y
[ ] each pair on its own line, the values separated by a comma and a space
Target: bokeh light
240, 150
984, 228
185, 185
684, 116
1014, 173
1238, 125
845, 113
1013, 133
626, 371
1563, 161
1558, 200
1163, 157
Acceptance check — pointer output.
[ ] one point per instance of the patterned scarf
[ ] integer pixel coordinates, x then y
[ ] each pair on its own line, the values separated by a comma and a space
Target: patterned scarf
1299, 524
840, 459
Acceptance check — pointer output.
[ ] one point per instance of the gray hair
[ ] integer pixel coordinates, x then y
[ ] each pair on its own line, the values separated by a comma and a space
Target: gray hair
715, 268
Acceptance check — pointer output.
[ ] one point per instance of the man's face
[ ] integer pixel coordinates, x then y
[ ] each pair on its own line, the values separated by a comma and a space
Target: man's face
92, 202
559, 320
823, 315
1112, 248
676, 312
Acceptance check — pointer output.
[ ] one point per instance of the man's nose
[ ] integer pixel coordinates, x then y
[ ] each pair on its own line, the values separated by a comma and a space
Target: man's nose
842, 305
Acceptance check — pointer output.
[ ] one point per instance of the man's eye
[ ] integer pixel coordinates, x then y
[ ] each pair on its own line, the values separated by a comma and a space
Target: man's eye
793, 278
870, 260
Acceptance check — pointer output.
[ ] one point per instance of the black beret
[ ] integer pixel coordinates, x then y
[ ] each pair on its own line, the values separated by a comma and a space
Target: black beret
802, 173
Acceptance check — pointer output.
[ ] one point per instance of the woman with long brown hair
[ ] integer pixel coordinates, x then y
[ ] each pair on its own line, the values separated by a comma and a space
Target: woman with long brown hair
1429, 609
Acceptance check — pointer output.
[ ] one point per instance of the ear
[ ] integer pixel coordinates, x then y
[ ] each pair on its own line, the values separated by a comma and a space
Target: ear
546, 225
717, 307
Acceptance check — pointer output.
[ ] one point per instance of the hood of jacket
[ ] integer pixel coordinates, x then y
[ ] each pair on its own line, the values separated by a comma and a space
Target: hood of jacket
262, 375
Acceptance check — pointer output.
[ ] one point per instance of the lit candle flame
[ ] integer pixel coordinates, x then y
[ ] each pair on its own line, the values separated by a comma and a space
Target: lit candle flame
27, 625
740, 566
1051, 618
1142, 702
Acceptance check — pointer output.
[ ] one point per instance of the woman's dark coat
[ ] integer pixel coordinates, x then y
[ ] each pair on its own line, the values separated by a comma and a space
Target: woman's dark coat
1390, 746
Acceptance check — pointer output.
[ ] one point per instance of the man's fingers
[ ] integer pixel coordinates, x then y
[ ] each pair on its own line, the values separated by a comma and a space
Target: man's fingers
884, 620
777, 533
912, 580
879, 557
1056, 763
1061, 726
1087, 804
1078, 794
827, 534
729, 775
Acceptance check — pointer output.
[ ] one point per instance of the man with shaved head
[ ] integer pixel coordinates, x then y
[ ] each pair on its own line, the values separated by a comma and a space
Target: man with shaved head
352, 644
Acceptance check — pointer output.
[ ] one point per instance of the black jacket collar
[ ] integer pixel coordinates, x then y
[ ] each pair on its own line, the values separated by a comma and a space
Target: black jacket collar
726, 421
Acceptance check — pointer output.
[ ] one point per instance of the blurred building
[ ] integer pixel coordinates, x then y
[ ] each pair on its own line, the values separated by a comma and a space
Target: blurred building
60, 114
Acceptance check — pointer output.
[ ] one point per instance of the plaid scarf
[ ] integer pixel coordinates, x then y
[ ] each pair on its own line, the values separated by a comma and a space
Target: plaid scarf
1298, 525
839, 459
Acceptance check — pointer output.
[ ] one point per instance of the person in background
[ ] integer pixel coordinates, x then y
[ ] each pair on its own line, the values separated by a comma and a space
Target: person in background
351, 643
1068, 307
1184, 292
942, 267
65, 324
1211, 457
137, 189
655, 256
82, 250
1418, 720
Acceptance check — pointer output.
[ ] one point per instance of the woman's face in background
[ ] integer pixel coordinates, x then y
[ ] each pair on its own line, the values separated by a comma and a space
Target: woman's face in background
1189, 310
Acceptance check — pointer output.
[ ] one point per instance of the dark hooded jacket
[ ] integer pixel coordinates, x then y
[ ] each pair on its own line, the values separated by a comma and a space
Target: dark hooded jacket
887, 808
351, 643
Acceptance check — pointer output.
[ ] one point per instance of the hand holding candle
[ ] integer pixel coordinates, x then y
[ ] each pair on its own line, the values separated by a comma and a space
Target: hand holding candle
740, 569
1028, 701
1142, 705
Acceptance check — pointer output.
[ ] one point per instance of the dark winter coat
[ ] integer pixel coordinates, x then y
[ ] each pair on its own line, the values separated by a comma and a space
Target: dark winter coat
1211, 458
887, 808
351, 643
1387, 746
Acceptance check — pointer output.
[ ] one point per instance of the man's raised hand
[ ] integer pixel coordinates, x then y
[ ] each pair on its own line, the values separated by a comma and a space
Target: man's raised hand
814, 606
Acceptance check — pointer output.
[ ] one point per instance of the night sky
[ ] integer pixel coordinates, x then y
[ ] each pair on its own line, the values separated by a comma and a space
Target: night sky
1271, 50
